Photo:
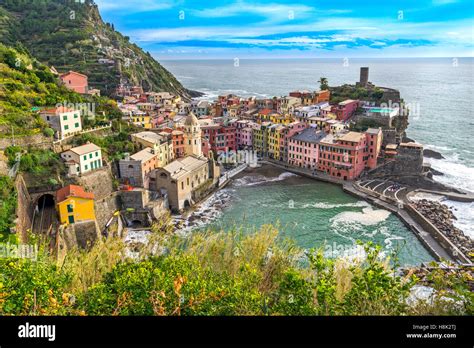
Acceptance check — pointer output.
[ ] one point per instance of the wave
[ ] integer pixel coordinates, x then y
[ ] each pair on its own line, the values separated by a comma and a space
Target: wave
205, 213
254, 180
456, 174
367, 217
325, 205
464, 213
213, 94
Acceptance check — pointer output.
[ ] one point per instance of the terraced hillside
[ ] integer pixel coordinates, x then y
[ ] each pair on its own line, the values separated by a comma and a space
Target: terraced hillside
71, 35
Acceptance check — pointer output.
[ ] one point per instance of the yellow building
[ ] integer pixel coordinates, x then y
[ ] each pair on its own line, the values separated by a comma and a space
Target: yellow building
260, 137
74, 204
143, 121
281, 119
274, 136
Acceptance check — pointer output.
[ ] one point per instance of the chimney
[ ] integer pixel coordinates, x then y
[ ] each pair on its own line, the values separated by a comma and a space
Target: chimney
364, 76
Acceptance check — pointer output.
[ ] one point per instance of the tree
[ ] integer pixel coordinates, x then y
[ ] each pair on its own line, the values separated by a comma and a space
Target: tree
323, 83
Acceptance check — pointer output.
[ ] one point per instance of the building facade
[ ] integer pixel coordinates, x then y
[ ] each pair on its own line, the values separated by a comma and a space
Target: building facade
64, 121
83, 159
74, 205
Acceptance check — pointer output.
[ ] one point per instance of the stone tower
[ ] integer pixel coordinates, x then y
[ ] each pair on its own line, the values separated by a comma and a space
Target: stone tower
192, 136
364, 76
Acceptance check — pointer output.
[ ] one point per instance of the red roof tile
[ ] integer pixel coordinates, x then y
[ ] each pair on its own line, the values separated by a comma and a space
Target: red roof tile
72, 191
265, 111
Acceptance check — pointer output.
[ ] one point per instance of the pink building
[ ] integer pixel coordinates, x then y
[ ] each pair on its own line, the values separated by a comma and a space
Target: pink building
75, 81
345, 109
290, 130
303, 148
343, 156
243, 133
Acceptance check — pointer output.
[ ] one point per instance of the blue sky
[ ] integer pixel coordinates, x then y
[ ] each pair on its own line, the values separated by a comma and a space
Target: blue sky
282, 29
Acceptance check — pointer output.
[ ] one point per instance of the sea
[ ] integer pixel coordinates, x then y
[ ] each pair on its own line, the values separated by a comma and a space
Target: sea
440, 92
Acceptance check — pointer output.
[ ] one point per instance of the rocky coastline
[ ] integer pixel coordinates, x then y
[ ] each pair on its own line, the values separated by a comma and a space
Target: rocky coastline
442, 217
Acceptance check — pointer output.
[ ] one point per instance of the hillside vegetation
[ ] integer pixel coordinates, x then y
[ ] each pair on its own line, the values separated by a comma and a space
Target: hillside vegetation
223, 273
24, 84
70, 35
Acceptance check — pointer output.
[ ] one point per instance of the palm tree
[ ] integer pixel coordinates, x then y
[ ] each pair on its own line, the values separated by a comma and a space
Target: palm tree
323, 83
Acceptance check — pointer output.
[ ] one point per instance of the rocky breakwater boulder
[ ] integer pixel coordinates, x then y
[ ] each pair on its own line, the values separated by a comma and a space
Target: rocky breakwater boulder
442, 217
425, 274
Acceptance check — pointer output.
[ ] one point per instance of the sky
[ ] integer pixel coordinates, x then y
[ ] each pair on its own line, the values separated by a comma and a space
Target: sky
288, 29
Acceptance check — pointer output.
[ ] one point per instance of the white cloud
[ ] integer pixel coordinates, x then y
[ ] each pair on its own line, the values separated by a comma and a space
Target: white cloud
131, 6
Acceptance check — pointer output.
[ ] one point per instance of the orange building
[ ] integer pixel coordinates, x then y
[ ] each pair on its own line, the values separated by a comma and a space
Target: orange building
322, 96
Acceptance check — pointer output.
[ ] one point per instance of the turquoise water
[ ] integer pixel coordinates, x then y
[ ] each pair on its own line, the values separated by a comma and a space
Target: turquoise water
380, 110
315, 214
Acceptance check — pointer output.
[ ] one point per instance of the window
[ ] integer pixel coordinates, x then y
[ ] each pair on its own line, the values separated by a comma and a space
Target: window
85, 157
71, 219
86, 167
70, 208
65, 118
90, 155
66, 127
97, 154
76, 115
76, 124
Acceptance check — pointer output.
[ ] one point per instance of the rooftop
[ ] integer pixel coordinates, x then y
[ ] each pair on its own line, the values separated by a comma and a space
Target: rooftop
353, 137
72, 191
84, 149
347, 101
57, 110
149, 136
411, 144
144, 155
373, 131
309, 135
183, 166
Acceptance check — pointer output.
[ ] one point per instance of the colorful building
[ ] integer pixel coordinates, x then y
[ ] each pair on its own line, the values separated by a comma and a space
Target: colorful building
74, 204
275, 134
374, 144
75, 81
142, 120
303, 148
161, 143
343, 156
345, 109
221, 138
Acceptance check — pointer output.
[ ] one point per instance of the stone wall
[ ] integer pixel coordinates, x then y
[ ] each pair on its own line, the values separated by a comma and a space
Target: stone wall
390, 136
99, 181
36, 140
81, 234
105, 208
24, 210
407, 162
